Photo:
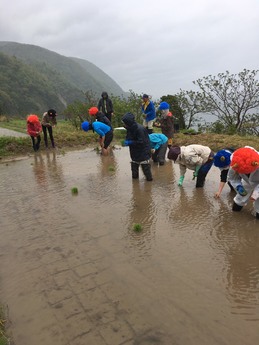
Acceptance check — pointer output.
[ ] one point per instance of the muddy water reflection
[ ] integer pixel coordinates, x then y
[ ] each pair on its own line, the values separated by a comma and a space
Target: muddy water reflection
74, 272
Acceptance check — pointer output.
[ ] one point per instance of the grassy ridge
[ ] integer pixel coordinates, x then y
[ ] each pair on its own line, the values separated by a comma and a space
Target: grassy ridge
66, 136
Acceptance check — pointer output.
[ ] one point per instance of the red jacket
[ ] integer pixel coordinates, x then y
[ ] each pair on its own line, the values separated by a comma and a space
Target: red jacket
34, 129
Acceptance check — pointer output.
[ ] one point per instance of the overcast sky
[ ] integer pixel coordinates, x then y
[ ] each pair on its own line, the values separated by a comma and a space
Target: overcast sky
155, 47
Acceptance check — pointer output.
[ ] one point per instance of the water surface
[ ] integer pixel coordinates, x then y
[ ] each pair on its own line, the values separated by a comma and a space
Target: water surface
73, 271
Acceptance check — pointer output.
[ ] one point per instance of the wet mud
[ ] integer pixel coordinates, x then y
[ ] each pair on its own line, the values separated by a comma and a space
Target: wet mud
74, 272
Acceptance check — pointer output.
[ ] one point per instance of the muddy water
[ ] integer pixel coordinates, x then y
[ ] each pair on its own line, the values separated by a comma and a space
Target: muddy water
73, 272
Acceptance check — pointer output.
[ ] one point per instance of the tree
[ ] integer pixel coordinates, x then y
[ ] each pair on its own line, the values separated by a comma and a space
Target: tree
233, 98
123, 105
191, 104
76, 113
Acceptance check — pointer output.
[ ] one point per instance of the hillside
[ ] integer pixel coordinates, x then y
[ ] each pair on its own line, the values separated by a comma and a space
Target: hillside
33, 79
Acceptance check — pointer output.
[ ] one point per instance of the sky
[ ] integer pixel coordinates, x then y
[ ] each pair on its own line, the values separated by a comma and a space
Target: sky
157, 47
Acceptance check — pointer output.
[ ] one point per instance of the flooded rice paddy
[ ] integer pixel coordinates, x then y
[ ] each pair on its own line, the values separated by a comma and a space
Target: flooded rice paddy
74, 272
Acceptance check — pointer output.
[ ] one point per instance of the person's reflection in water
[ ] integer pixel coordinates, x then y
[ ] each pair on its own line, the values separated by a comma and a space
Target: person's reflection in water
240, 251
142, 213
39, 169
108, 165
243, 280
103, 184
55, 171
47, 170
191, 209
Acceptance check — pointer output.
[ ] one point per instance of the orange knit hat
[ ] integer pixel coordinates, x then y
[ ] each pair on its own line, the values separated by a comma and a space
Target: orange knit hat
245, 160
93, 111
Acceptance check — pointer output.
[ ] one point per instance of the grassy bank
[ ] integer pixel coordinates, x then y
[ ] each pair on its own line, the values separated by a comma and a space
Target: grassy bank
67, 137
4, 340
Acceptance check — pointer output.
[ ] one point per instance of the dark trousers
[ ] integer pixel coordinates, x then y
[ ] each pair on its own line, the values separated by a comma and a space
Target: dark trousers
146, 168
159, 155
44, 129
108, 139
204, 169
109, 116
36, 142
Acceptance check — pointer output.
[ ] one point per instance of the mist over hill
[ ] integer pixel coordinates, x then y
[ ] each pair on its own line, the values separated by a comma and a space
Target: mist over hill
34, 79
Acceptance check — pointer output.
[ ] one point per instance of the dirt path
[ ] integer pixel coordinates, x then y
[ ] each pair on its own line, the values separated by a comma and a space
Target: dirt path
4, 132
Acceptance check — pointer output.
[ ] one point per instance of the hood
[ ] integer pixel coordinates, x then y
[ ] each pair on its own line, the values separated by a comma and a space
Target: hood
129, 119
104, 94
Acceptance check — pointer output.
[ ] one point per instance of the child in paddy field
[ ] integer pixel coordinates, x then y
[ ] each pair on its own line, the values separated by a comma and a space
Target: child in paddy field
194, 157
34, 129
105, 132
222, 161
158, 143
244, 177
166, 122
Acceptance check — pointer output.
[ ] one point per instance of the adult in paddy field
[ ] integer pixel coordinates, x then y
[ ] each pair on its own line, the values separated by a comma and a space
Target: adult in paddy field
139, 146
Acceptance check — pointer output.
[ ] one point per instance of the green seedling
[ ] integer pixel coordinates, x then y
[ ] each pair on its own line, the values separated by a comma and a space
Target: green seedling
74, 190
111, 168
137, 227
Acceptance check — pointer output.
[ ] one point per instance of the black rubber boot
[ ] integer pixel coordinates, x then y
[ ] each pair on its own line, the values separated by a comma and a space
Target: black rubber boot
146, 168
257, 215
236, 207
200, 179
134, 170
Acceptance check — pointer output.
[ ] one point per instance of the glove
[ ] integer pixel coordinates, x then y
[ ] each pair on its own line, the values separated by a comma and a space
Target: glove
128, 142
241, 190
195, 174
180, 182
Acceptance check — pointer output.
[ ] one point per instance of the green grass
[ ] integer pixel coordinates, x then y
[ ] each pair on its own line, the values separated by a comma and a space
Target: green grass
4, 340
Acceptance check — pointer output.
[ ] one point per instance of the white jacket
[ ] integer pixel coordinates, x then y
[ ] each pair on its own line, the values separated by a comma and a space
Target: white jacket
192, 156
235, 179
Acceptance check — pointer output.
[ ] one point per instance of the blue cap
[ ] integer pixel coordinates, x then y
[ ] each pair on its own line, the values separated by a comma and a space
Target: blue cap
163, 106
85, 126
222, 158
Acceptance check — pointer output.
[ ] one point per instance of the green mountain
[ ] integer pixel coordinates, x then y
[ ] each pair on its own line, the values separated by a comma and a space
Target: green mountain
33, 79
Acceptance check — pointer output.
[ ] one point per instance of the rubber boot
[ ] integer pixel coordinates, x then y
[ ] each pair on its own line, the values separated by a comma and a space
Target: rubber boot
236, 207
135, 170
146, 168
200, 179
257, 215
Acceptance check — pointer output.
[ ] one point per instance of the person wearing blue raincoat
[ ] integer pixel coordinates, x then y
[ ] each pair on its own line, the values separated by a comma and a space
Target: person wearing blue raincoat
158, 143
